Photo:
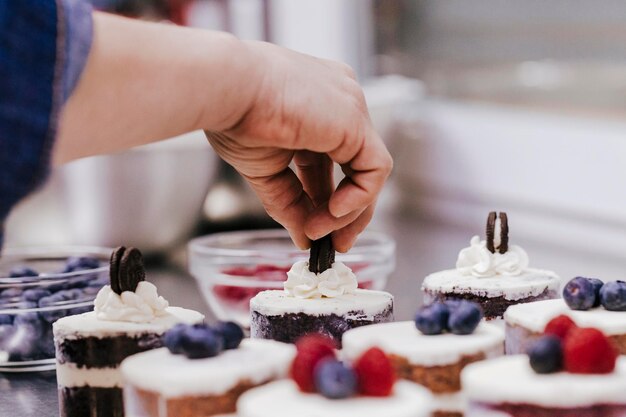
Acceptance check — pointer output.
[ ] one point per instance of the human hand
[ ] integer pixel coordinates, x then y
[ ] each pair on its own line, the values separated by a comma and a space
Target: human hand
311, 112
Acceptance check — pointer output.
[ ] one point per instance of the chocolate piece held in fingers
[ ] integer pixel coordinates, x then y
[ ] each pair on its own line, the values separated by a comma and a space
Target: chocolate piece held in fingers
322, 255
132, 270
490, 232
504, 233
114, 269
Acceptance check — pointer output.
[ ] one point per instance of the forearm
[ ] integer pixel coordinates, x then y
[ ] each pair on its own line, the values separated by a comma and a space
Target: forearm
145, 82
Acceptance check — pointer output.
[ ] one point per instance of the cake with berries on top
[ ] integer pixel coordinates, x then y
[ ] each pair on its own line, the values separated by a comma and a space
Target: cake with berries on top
319, 296
586, 302
201, 372
432, 350
492, 273
129, 317
569, 371
321, 385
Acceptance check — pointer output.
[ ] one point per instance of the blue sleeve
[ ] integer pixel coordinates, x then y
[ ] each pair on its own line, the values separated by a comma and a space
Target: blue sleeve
44, 46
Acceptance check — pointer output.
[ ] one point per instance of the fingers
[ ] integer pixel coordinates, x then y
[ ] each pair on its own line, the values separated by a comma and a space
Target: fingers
344, 238
321, 222
366, 173
315, 171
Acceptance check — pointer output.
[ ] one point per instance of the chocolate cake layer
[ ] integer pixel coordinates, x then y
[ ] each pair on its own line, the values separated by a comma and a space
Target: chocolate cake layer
447, 414
530, 410
288, 328
94, 352
440, 379
151, 403
90, 402
493, 308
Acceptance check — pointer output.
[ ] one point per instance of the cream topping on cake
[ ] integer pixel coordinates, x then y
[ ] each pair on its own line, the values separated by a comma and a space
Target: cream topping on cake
334, 282
142, 305
510, 379
254, 361
283, 399
478, 261
534, 316
70, 375
87, 324
361, 304
403, 339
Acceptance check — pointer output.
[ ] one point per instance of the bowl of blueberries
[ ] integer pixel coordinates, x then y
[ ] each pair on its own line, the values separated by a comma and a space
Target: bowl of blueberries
37, 287
232, 267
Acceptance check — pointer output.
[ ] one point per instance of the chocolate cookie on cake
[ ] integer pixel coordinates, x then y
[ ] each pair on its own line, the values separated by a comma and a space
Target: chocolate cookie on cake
492, 273
129, 317
448, 337
321, 385
586, 302
202, 371
575, 372
319, 296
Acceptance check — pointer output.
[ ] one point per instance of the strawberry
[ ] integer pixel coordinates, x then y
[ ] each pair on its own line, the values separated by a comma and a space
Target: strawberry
588, 351
311, 350
375, 373
560, 326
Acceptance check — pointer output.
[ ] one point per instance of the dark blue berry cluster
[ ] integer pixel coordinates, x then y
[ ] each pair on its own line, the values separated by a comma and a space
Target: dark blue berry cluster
585, 293
28, 310
199, 341
456, 316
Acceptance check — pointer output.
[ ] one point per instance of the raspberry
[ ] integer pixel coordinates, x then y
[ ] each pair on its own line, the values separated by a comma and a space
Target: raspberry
375, 373
560, 326
588, 351
311, 350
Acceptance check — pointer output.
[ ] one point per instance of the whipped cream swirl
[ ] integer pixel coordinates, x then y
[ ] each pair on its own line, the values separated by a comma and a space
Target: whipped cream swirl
140, 306
478, 261
335, 281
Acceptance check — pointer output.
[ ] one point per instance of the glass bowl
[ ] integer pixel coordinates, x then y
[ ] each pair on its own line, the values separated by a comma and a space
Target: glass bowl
37, 287
233, 267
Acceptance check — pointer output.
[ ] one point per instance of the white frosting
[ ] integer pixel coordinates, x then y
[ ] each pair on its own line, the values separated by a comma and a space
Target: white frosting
511, 379
530, 283
172, 376
70, 375
334, 282
142, 305
87, 324
284, 399
403, 339
478, 261
534, 316
452, 403
362, 304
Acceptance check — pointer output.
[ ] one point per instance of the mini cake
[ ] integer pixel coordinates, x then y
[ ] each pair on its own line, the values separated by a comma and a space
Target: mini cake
129, 317
431, 357
323, 386
526, 322
573, 372
199, 376
320, 296
493, 274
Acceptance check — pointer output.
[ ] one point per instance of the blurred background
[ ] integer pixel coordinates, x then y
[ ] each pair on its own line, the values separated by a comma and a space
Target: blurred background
485, 105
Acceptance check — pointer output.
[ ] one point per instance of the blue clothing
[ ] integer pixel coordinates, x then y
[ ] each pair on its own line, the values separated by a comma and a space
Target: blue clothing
44, 46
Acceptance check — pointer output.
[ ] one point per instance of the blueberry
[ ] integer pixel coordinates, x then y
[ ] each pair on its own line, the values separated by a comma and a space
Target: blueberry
6, 332
6, 319
231, 332
580, 294
432, 319
53, 314
199, 342
613, 296
172, 339
79, 263
35, 294
23, 344
11, 293
335, 380
22, 271
597, 285
91, 292
546, 355
464, 318
31, 323
80, 310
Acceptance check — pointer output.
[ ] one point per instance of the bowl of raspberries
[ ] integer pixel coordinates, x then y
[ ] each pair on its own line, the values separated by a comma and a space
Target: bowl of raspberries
38, 286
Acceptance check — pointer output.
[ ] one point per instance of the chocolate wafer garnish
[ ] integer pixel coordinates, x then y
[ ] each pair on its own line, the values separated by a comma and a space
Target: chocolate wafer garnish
504, 233
491, 232
126, 270
322, 255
